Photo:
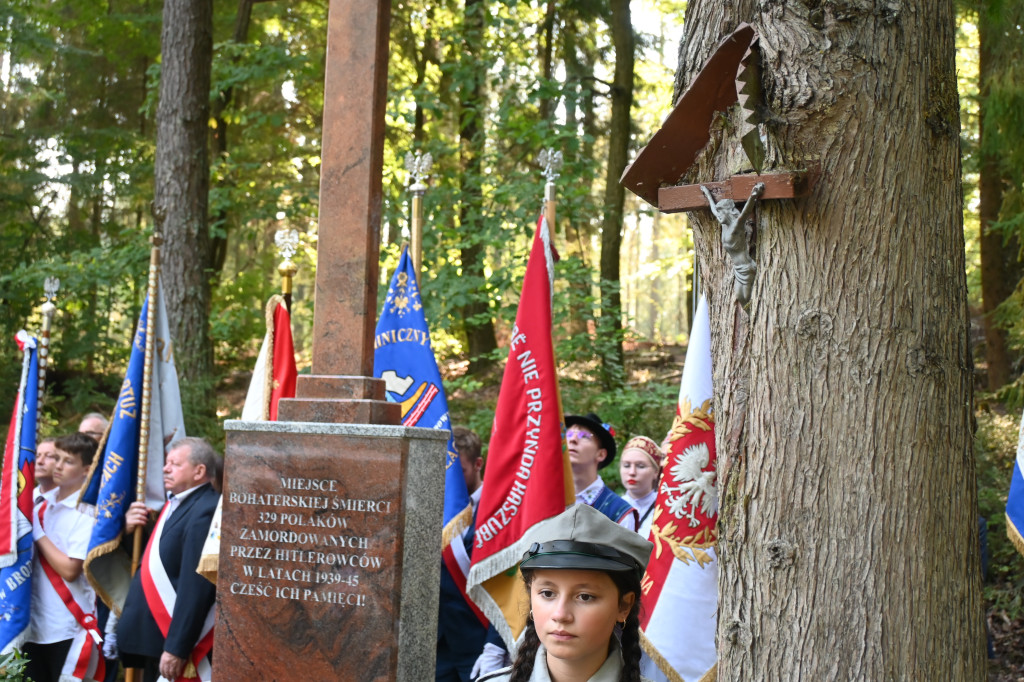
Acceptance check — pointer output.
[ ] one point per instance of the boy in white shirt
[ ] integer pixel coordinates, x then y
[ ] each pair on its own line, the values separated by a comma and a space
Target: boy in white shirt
63, 638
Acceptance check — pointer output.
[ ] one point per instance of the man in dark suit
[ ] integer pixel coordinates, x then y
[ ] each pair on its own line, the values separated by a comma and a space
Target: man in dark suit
175, 636
460, 634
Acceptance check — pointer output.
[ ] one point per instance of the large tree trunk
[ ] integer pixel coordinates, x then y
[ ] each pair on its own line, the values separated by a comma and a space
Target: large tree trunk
476, 314
848, 531
545, 52
182, 179
614, 195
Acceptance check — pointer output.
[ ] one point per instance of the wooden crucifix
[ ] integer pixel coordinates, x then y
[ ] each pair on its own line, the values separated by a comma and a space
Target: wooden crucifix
729, 76
341, 387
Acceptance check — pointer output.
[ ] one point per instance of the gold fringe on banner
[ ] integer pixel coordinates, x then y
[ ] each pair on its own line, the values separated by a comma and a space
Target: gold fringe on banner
710, 676
209, 565
456, 526
659, 660
1014, 535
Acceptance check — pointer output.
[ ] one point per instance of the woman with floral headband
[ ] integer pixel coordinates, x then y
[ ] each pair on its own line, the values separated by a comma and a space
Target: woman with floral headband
640, 469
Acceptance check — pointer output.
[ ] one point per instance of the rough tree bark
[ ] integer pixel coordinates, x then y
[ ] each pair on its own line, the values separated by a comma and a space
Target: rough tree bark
545, 52
614, 195
182, 180
848, 525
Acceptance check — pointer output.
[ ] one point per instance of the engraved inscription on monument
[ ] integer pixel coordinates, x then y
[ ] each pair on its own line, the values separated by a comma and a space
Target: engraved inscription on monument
330, 552
307, 543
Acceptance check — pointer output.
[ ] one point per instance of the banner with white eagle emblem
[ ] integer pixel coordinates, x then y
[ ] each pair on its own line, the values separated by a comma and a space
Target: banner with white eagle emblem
680, 588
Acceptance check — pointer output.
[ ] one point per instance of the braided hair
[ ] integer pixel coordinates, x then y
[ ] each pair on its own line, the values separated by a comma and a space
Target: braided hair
522, 669
630, 640
625, 582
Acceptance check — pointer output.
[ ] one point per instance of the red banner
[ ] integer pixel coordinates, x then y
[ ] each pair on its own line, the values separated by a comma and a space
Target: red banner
528, 477
284, 371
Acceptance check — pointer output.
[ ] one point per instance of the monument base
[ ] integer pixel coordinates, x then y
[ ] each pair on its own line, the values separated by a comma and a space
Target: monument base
330, 552
339, 400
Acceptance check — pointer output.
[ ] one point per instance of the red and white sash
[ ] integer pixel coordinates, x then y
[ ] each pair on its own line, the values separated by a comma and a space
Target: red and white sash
85, 659
160, 596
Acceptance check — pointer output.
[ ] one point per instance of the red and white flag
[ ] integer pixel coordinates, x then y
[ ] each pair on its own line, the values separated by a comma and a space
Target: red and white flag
272, 379
680, 588
528, 477
275, 374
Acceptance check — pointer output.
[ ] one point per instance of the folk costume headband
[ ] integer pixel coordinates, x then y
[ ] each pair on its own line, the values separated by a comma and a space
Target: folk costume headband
648, 447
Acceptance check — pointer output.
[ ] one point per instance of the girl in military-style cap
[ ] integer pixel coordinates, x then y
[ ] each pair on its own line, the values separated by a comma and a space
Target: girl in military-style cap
583, 573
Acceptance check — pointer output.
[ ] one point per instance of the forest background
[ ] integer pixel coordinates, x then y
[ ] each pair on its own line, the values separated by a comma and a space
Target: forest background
483, 86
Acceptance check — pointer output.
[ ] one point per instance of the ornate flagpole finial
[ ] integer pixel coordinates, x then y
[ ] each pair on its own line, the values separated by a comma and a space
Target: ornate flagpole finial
418, 165
50, 288
551, 161
287, 241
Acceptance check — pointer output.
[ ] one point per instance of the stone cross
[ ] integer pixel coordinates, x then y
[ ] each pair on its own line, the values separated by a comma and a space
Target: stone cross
341, 387
330, 549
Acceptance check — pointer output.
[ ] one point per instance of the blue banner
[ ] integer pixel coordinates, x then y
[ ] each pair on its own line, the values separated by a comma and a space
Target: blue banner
1015, 498
111, 482
15, 578
403, 357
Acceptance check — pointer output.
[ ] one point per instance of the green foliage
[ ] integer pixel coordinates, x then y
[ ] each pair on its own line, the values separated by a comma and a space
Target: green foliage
77, 112
12, 667
76, 165
995, 449
990, 55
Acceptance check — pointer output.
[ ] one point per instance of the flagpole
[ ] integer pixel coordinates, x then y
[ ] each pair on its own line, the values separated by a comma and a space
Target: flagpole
419, 170
287, 244
147, 387
50, 287
551, 160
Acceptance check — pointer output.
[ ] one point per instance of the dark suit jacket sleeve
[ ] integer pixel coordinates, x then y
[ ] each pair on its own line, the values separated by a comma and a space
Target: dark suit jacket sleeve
195, 594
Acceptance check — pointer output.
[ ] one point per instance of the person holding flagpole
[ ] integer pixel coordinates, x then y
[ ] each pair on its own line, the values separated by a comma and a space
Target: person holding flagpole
162, 634
63, 643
